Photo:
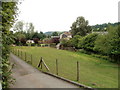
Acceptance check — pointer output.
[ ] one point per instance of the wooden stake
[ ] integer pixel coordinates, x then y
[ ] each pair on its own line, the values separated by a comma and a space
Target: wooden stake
56, 66
25, 56
18, 53
45, 65
77, 71
40, 62
21, 54
31, 58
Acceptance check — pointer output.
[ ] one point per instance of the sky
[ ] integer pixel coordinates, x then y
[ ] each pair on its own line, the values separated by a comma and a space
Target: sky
58, 15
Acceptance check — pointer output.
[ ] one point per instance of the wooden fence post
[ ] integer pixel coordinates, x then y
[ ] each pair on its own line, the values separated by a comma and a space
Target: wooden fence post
56, 66
40, 63
31, 58
25, 56
78, 71
13, 51
21, 54
18, 53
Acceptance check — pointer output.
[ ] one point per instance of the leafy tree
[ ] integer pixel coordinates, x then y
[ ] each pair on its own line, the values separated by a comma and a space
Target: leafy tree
64, 42
36, 35
30, 30
88, 42
18, 26
41, 35
54, 34
110, 43
23, 41
102, 27
20, 38
80, 27
8, 12
75, 40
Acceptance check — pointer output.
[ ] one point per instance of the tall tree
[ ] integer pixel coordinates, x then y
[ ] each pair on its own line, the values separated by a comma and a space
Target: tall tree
18, 26
30, 30
80, 27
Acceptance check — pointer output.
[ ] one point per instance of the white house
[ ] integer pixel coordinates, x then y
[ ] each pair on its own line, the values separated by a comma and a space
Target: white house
66, 35
30, 41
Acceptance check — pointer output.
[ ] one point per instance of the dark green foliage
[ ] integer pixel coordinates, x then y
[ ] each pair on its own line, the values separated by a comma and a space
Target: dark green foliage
64, 42
41, 35
54, 34
88, 42
75, 40
109, 44
9, 10
80, 27
102, 27
33, 44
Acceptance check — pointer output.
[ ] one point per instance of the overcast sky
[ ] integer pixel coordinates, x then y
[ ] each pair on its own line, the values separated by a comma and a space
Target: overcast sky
58, 15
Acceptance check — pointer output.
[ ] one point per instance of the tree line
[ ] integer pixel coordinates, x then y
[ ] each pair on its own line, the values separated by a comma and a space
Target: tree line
104, 44
26, 31
103, 27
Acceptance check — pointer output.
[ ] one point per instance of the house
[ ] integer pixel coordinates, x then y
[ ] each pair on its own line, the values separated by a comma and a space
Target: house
66, 35
55, 39
30, 41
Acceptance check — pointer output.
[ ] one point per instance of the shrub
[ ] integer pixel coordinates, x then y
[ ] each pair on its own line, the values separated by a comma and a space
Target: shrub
33, 44
109, 44
53, 45
75, 40
88, 42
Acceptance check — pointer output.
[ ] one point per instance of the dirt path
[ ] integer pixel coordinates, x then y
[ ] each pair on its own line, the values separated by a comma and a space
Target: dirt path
28, 77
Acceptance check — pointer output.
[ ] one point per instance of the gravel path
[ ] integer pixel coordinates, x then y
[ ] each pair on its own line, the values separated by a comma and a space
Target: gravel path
28, 77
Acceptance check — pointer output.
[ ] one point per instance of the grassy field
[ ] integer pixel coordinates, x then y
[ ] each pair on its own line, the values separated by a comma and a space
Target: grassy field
94, 72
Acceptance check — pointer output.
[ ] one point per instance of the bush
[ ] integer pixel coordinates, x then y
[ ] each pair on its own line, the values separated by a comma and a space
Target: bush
84, 51
75, 40
53, 45
109, 44
33, 44
88, 42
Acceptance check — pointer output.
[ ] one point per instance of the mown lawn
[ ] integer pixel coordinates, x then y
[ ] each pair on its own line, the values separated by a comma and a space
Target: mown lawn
94, 72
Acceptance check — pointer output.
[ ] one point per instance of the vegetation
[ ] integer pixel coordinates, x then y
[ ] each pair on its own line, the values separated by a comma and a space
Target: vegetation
94, 72
54, 34
109, 44
98, 45
106, 44
88, 42
21, 36
8, 13
80, 27
103, 27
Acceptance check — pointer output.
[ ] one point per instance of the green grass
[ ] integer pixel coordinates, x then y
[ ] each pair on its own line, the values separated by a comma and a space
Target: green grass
94, 72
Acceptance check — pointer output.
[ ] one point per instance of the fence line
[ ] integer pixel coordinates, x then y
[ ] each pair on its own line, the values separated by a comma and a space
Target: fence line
42, 63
